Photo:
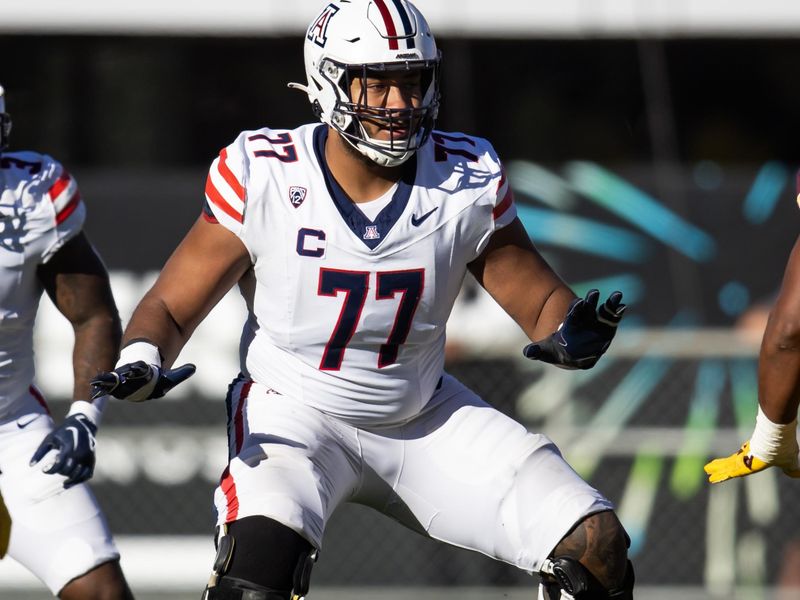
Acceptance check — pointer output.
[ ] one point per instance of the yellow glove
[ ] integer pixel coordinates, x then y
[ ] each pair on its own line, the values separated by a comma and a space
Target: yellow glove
743, 463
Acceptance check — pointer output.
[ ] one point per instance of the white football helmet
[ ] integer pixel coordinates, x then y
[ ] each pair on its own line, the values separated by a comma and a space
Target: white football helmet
356, 38
5, 121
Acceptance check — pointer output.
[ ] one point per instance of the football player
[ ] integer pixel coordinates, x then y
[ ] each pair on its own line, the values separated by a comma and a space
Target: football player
50, 521
774, 439
349, 240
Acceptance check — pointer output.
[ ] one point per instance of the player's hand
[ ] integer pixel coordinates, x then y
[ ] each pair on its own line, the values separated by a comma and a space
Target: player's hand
74, 443
584, 336
139, 381
744, 463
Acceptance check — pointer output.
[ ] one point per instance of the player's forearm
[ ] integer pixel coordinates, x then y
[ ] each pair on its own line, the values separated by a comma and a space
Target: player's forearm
97, 342
519, 279
154, 322
779, 370
779, 359
553, 312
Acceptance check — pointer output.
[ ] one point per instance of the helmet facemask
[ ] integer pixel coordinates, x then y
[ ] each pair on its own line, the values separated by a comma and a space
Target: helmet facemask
408, 128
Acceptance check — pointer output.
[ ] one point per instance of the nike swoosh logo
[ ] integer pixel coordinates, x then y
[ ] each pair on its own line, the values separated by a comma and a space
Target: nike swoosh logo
74, 433
23, 424
417, 221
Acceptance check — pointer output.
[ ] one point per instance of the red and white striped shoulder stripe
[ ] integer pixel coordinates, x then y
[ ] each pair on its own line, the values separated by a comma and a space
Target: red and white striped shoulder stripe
505, 192
223, 188
65, 196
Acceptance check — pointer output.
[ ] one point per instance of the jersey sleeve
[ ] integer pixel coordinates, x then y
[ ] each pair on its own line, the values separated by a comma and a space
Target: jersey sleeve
504, 210
64, 198
498, 200
226, 187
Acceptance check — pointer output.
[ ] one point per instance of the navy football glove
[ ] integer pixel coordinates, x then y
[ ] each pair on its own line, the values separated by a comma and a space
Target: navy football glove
584, 336
74, 442
139, 381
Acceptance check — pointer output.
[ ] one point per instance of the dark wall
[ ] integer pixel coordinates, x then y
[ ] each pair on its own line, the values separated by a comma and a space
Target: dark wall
698, 125
162, 102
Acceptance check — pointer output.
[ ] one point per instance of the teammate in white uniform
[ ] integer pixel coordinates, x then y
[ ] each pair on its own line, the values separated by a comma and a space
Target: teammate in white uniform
50, 521
350, 240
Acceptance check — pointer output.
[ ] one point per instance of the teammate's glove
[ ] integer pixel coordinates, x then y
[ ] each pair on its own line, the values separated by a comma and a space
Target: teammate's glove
74, 443
584, 336
139, 381
744, 463
771, 445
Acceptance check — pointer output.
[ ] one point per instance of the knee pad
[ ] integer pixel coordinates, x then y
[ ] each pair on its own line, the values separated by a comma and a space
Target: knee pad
260, 559
225, 587
231, 588
626, 591
566, 574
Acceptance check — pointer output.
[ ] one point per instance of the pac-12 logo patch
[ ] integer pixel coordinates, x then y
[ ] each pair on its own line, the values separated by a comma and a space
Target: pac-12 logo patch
296, 195
318, 32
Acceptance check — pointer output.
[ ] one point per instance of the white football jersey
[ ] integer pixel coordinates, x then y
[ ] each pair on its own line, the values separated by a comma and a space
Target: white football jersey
348, 314
40, 209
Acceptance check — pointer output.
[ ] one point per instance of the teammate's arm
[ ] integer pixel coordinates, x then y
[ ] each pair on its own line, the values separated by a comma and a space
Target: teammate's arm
566, 331
779, 358
77, 282
206, 264
774, 440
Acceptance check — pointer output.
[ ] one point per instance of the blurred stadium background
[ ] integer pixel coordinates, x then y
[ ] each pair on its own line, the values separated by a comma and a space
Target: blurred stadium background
653, 147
